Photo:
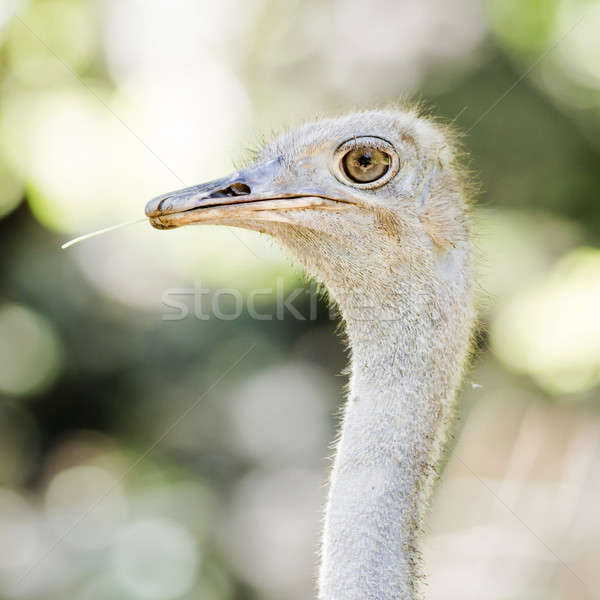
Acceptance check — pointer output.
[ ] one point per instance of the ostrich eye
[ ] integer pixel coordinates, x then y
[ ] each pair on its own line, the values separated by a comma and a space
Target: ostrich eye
365, 162
365, 165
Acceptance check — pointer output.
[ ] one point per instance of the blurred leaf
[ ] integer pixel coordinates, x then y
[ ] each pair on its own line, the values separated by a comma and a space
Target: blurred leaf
551, 329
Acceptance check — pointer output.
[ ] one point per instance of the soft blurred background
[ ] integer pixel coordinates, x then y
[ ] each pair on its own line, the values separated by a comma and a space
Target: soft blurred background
105, 491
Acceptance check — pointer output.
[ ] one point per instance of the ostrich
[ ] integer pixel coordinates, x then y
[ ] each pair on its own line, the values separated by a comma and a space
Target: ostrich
374, 205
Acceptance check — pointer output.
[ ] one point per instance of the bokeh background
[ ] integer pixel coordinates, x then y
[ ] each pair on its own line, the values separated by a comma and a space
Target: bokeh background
154, 459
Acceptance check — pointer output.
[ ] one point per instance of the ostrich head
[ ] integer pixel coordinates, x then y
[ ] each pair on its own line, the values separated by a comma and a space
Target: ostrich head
373, 204
350, 196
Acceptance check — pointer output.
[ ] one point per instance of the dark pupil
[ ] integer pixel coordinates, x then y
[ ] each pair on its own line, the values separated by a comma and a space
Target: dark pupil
365, 159
365, 165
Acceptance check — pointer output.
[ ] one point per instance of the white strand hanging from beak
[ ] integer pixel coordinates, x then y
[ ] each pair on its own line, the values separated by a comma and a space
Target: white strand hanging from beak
87, 236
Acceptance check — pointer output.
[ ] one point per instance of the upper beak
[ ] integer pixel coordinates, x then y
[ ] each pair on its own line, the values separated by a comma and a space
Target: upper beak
238, 196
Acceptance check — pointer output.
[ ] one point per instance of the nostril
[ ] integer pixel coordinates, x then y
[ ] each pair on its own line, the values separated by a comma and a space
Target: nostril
235, 189
239, 189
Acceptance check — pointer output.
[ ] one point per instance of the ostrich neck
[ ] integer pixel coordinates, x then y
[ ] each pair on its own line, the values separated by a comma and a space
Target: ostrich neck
407, 358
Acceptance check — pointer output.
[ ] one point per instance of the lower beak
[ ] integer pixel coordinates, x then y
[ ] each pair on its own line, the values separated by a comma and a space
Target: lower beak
249, 194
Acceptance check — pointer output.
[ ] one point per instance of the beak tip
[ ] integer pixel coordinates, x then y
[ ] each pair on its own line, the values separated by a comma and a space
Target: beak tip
154, 207
158, 223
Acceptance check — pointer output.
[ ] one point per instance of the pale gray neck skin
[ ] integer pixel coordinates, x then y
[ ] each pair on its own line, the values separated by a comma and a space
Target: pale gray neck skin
408, 323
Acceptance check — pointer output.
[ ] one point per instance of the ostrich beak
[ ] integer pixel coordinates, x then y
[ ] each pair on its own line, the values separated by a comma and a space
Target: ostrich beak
251, 193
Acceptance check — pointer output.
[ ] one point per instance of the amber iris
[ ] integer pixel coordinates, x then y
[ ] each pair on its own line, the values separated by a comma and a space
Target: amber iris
365, 165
